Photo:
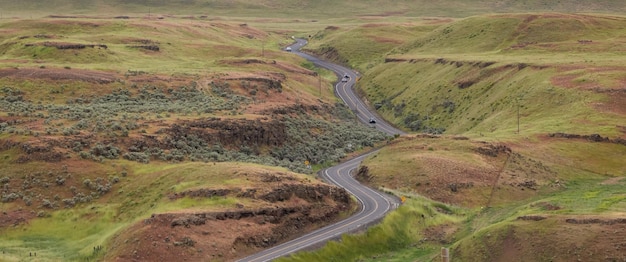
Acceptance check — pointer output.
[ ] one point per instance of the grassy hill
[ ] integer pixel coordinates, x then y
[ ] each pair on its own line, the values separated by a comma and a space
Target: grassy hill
472, 82
73, 219
470, 76
107, 124
533, 195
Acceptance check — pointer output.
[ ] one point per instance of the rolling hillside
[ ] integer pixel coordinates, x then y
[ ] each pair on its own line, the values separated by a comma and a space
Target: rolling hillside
142, 130
114, 129
463, 79
550, 191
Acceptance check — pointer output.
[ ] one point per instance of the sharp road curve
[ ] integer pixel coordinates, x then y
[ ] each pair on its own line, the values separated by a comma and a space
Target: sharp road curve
374, 205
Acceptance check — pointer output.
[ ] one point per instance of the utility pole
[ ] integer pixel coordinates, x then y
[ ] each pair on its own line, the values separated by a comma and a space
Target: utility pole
445, 255
518, 100
495, 182
263, 44
518, 117
319, 83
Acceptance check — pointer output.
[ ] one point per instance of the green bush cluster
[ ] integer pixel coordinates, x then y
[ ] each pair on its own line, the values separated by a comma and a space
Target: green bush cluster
118, 112
78, 198
415, 122
25, 188
107, 151
99, 186
308, 138
253, 89
328, 141
10, 197
140, 157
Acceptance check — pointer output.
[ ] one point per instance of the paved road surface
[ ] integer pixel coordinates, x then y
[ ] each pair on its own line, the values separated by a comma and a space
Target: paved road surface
374, 205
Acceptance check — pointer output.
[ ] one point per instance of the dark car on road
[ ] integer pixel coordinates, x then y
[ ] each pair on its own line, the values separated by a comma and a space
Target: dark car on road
345, 78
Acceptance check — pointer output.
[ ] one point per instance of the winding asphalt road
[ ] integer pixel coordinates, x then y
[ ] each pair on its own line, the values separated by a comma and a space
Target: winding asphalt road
374, 205
345, 91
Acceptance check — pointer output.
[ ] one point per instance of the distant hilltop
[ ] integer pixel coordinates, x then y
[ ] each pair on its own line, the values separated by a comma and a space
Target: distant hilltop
304, 9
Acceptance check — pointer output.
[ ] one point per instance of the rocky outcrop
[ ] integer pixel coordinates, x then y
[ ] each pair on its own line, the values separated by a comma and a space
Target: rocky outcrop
231, 132
492, 150
290, 209
310, 193
363, 174
290, 225
593, 138
596, 221
62, 46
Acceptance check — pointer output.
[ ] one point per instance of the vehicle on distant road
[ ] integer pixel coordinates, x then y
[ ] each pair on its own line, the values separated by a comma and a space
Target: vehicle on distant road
288, 49
345, 78
372, 120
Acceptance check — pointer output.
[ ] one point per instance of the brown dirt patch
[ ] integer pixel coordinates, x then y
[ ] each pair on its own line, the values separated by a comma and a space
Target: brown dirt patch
616, 91
612, 181
616, 102
441, 234
567, 81
14, 218
432, 21
91, 76
18, 61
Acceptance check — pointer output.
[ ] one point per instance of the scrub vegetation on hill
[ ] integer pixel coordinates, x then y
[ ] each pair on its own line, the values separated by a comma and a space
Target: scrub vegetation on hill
105, 124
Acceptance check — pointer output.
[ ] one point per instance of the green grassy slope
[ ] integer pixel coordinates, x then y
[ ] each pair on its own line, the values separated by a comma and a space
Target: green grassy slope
418, 221
68, 234
429, 86
374, 40
183, 47
573, 181
470, 77
489, 105
509, 33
